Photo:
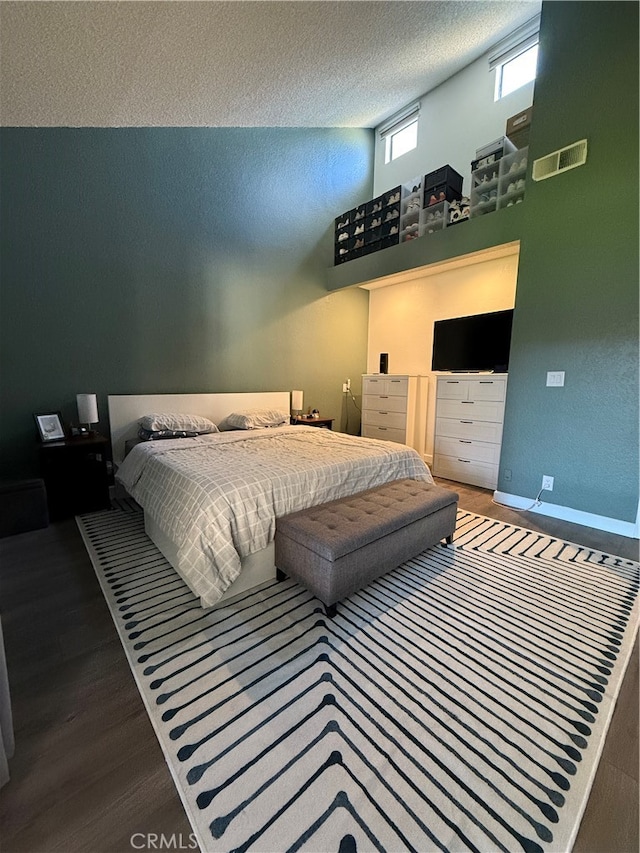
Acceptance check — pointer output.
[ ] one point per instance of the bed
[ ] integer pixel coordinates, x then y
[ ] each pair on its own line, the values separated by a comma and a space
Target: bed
211, 500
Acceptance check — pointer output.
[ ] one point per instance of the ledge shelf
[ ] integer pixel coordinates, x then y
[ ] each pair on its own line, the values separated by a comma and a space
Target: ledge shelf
504, 226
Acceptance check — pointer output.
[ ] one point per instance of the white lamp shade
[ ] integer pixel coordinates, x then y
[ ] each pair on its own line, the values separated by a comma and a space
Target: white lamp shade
296, 401
87, 408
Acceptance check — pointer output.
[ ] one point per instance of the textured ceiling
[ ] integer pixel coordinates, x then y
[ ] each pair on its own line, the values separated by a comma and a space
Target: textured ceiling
324, 63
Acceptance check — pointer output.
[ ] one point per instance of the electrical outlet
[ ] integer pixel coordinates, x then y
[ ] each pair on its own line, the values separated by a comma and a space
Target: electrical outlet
547, 483
507, 474
345, 388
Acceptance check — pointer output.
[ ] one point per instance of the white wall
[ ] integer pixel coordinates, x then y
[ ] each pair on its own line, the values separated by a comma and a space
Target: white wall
401, 316
456, 118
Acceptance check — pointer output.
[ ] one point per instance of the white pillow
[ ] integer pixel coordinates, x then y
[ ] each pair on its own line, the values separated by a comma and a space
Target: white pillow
256, 419
177, 422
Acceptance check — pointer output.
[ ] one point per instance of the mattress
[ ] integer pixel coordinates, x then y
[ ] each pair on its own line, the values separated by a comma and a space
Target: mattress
217, 497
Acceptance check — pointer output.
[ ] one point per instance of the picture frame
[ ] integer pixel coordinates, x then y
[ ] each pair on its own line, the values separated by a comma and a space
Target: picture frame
50, 426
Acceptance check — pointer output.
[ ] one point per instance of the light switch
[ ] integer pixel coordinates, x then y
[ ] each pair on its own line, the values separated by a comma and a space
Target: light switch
555, 378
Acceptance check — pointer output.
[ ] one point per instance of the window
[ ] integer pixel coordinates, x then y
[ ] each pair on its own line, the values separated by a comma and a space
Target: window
516, 72
515, 59
400, 133
398, 143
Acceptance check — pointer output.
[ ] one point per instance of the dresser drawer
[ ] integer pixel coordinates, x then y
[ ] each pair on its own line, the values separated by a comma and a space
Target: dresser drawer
487, 389
395, 420
471, 389
396, 386
476, 451
474, 430
471, 410
383, 432
453, 389
466, 470
384, 403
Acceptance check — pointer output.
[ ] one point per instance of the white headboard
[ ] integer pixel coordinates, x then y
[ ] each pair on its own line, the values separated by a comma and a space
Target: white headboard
126, 409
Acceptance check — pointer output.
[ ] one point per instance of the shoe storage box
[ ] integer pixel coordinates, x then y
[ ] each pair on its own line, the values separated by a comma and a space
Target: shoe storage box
513, 178
443, 184
390, 240
435, 217
492, 153
444, 175
443, 192
370, 226
500, 184
519, 127
343, 242
410, 207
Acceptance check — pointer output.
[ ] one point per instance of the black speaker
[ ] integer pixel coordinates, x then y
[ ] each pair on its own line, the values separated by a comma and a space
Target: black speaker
384, 362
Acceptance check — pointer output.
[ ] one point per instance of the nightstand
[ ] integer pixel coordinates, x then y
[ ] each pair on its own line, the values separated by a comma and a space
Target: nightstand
324, 423
75, 475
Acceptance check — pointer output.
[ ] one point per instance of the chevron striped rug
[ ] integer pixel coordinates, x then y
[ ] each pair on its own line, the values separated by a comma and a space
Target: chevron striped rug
458, 703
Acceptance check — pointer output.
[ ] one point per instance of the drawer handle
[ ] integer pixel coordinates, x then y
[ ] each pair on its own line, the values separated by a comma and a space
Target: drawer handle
468, 402
384, 396
384, 429
486, 382
464, 441
453, 381
466, 422
383, 413
468, 461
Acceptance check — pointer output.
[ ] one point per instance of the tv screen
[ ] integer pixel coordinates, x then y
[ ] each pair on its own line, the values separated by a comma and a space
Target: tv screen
469, 344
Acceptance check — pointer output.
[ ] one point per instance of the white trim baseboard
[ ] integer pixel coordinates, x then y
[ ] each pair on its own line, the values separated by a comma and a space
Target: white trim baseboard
576, 516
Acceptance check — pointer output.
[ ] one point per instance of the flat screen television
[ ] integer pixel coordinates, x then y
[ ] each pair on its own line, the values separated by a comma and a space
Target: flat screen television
475, 343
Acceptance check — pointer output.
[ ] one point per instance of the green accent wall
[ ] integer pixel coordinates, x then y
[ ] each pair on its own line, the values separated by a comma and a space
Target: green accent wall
577, 292
139, 260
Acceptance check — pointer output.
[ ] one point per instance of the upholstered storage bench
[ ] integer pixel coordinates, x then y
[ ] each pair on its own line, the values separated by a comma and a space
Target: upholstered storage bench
337, 548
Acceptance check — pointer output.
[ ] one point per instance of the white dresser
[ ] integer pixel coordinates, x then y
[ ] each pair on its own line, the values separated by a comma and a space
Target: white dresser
394, 408
468, 434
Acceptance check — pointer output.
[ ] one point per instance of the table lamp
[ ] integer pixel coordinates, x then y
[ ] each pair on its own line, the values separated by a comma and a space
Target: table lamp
87, 410
296, 402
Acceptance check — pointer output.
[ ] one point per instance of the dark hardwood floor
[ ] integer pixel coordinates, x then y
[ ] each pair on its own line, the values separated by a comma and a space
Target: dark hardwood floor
88, 772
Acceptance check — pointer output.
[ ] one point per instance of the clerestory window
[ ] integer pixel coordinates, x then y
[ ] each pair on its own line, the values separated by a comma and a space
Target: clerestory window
400, 133
515, 59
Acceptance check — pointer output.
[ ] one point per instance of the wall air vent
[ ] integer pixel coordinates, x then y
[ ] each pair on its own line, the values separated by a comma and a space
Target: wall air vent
566, 158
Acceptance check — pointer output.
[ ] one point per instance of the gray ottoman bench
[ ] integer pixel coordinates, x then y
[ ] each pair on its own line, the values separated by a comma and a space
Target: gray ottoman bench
337, 548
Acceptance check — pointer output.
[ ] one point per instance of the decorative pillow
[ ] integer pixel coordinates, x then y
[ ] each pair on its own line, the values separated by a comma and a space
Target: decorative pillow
154, 435
255, 419
177, 422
